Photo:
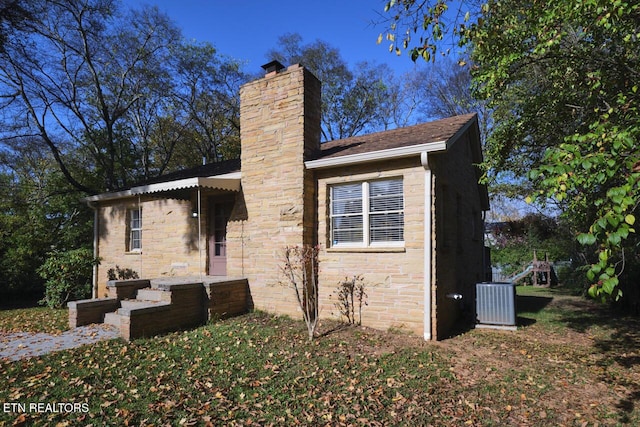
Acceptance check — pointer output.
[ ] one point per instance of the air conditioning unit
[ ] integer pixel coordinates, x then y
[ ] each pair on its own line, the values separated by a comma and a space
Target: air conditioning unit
496, 304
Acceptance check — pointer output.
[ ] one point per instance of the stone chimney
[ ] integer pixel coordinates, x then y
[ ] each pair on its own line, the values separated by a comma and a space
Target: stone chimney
279, 129
285, 104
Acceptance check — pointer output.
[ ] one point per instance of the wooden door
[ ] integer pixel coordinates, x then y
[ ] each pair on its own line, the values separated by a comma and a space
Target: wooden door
218, 217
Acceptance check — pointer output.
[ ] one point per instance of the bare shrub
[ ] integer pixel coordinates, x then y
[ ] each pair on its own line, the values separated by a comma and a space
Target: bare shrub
351, 295
300, 267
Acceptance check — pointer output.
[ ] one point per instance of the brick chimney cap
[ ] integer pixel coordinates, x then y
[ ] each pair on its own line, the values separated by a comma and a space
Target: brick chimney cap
272, 66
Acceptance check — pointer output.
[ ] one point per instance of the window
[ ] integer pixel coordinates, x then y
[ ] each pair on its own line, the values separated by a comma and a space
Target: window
369, 213
135, 230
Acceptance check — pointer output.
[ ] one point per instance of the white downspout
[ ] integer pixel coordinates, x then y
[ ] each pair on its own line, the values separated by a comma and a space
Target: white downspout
424, 160
200, 232
94, 279
141, 234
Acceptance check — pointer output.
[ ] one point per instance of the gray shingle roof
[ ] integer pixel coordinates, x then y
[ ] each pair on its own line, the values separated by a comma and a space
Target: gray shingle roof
435, 131
431, 132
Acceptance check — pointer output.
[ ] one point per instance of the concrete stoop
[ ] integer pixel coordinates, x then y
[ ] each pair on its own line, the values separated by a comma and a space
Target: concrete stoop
128, 306
113, 319
142, 308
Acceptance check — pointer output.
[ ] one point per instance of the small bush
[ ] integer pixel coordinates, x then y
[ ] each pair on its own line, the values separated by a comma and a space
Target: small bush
351, 295
118, 273
68, 276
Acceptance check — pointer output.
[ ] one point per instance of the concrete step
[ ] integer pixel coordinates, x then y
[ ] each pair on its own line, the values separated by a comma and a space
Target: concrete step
132, 304
112, 318
153, 295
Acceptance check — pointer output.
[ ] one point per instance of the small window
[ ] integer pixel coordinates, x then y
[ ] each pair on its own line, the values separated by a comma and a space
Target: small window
369, 213
135, 230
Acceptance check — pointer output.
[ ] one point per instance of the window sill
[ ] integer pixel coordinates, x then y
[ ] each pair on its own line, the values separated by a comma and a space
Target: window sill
388, 249
133, 253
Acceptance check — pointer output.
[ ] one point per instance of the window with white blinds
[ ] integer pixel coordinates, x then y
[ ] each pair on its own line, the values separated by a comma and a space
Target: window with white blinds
369, 213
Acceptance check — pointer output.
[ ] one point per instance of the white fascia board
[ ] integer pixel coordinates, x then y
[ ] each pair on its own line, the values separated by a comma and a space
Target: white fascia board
230, 175
229, 182
388, 154
108, 196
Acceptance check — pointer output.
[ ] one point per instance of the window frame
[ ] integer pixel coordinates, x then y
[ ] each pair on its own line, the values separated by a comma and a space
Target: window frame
366, 213
131, 230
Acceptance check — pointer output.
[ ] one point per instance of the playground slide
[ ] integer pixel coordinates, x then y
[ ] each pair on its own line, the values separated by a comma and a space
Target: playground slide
520, 276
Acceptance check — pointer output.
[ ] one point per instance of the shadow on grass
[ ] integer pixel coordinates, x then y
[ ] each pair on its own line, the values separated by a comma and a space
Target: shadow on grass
623, 347
334, 328
525, 321
13, 303
529, 304
615, 336
619, 343
627, 405
524, 304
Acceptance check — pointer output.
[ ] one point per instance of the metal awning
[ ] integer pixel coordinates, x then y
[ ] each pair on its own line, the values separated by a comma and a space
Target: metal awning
226, 182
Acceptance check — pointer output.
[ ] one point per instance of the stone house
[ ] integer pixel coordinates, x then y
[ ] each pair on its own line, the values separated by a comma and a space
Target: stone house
403, 208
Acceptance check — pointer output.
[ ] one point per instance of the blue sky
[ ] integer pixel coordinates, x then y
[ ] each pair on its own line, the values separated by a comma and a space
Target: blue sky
247, 29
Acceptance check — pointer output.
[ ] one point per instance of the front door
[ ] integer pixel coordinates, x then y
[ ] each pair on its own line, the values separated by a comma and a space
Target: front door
219, 214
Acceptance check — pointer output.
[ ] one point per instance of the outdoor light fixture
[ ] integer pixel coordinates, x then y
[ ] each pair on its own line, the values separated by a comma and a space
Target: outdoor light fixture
194, 213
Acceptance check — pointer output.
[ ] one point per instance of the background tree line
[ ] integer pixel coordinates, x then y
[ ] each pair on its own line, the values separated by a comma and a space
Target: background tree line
95, 97
561, 81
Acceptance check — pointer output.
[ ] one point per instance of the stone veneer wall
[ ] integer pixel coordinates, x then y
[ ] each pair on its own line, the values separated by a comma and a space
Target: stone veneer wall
394, 276
459, 245
169, 239
280, 128
277, 207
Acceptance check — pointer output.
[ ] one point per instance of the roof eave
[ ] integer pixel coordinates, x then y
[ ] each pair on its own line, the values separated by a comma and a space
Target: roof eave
107, 196
228, 182
392, 153
371, 156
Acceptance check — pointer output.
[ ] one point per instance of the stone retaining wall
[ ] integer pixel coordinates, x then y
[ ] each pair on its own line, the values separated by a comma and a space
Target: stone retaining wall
227, 299
187, 304
86, 312
126, 289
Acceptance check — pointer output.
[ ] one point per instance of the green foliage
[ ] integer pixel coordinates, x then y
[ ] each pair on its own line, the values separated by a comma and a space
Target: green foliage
136, 101
561, 78
514, 242
39, 213
118, 273
425, 18
604, 159
577, 109
68, 276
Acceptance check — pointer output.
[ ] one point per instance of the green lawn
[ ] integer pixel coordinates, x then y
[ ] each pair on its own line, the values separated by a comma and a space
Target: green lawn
566, 368
39, 319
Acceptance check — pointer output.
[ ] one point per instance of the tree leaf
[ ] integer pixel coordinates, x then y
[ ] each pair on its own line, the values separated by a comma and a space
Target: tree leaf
586, 239
630, 219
